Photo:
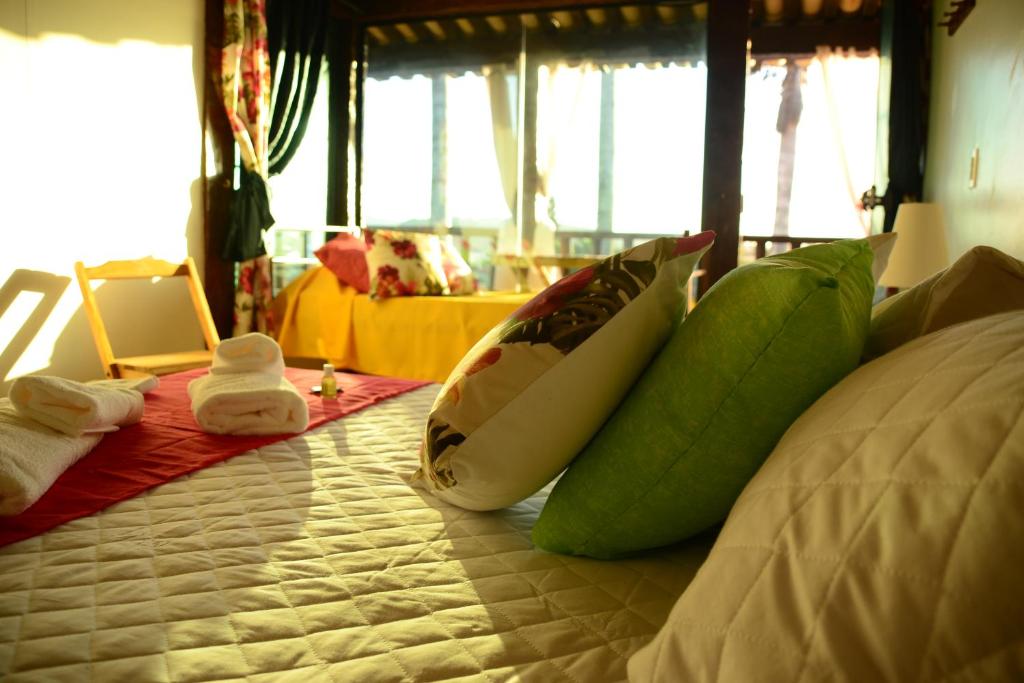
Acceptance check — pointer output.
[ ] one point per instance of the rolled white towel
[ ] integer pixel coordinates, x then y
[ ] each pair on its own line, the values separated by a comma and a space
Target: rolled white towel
32, 456
247, 403
253, 352
75, 408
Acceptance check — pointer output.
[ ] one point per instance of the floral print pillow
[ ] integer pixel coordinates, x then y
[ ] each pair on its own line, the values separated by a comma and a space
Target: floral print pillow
404, 264
530, 394
460, 276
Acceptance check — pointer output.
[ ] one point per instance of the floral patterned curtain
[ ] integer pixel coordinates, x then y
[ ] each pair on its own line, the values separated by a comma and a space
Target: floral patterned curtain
245, 86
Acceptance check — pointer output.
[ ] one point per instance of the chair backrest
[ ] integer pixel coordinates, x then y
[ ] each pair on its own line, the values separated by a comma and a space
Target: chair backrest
145, 268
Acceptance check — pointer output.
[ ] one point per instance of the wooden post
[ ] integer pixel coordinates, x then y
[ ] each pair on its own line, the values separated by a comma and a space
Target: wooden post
346, 66
218, 274
727, 31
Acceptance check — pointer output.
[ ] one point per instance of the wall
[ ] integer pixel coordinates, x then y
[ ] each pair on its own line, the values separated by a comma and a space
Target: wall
101, 149
978, 100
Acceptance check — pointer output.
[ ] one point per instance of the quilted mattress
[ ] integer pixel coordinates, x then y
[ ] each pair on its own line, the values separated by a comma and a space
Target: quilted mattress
313, 559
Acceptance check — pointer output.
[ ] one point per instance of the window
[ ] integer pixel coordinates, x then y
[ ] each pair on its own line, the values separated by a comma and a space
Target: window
551, 133
299, 198
809, 145
397, 151
581, 131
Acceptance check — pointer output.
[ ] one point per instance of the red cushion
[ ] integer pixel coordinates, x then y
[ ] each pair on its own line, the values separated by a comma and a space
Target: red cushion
345, 256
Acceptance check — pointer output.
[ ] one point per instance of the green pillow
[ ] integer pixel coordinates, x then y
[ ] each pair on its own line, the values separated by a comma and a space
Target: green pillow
762, 345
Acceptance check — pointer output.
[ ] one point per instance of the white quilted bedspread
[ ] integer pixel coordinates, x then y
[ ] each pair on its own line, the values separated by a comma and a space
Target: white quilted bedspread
313, 560
883, 539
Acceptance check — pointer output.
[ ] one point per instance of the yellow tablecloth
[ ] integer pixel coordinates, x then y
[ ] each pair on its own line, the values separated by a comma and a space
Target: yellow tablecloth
419, 337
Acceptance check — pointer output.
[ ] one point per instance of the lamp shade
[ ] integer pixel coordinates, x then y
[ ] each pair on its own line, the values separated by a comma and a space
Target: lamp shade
920, 250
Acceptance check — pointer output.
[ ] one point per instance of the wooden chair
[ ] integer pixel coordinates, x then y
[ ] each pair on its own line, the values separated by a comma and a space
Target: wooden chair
147, 268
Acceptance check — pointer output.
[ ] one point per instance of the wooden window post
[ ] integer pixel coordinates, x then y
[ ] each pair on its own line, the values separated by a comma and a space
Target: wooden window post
218, 274
346, 54
728, 29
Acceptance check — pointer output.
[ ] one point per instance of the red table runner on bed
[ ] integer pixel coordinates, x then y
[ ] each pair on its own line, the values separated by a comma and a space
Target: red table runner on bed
168, 443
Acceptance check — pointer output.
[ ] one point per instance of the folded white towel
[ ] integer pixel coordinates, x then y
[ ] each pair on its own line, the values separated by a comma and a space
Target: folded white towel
247, 403
32, 456
253, 352
75, 408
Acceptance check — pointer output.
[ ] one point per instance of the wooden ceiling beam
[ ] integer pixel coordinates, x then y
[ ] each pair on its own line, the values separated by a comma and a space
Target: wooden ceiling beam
579, 20
378, 36
850, 7
481, 28
774, 11
408, 32
436, 29
466, 27
450, 29
498, 24
404, 10
871, 7
756, 12
647, 15
812, 9
804, 39
391, 34
613, 19
347, 9
667, 14
597, 17
529, 21
408, 10
792, 11
631, 15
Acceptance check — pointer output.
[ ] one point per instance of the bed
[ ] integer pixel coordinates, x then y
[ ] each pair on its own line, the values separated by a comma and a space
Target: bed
419, 337
313, 559
880, 539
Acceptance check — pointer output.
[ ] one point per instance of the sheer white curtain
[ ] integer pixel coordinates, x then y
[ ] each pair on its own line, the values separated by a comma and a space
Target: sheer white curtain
500, 80
856, 159
559, 94
505, 145
835, 144
503, 126
834, 154
568, 101
655, 133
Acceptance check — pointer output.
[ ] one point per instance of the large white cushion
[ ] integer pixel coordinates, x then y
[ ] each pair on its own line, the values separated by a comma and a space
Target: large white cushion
883, 539
982, 282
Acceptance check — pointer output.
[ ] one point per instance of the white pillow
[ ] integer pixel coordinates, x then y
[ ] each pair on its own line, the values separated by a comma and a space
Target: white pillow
531, 393
883, 539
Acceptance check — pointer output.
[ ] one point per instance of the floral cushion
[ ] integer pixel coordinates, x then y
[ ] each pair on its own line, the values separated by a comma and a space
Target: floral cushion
345, 256
404, 264
531, 393
458, 273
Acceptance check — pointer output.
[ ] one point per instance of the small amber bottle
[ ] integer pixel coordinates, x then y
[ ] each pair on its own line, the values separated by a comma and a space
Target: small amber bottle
328, 384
